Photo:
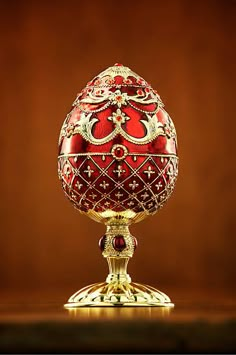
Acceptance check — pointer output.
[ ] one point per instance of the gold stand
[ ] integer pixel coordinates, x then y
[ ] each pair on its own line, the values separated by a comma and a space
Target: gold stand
118, 290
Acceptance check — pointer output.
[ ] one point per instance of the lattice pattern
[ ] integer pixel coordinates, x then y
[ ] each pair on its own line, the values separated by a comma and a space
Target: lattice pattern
141, 182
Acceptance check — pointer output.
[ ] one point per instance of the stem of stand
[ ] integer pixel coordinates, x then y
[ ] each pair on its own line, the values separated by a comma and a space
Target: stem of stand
118, 270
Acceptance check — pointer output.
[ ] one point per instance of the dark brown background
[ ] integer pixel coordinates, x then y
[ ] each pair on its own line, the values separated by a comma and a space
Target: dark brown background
49, 50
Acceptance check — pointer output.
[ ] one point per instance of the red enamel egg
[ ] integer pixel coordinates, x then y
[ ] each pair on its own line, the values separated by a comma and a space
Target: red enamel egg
118, 148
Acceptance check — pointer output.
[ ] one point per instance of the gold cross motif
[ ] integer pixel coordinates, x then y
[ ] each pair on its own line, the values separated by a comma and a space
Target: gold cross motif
78, 185
133, 185
149, 171
68, 170
158, 186
145, 195
104, 184
93, 196
119, 171
89, 171
118, 195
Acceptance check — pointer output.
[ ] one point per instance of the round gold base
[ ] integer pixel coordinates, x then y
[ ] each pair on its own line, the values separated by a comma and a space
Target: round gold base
118, 294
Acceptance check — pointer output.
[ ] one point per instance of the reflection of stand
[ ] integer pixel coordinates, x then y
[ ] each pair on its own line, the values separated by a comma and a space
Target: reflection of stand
118, 246
120, 313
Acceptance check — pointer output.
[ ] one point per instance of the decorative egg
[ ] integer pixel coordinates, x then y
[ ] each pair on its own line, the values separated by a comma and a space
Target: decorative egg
118, 149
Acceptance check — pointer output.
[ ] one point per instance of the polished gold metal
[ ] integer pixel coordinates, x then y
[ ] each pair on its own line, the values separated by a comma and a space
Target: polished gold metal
118, 289
119, 313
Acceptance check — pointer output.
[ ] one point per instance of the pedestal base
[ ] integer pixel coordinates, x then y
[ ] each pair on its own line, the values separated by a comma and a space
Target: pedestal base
118, 294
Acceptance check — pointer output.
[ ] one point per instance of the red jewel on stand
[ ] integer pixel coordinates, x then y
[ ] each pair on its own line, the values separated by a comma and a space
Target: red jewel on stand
102, 242
135, 243
119, 243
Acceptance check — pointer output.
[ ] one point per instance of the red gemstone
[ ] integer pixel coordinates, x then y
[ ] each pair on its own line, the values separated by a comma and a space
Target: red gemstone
118, 118
140, 81
127, 81
135, 243
118, 65
102, 242
119, 152
140, 92
119, 243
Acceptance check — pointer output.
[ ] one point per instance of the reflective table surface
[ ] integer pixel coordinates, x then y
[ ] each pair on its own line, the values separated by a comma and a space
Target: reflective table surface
196, 324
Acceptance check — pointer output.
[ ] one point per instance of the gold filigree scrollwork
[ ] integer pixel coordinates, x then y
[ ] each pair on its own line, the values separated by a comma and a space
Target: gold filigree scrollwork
84, 126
